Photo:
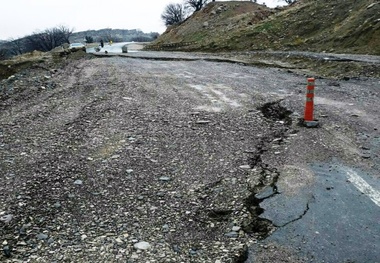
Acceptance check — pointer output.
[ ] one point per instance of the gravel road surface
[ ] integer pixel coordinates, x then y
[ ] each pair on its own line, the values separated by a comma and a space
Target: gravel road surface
118, 159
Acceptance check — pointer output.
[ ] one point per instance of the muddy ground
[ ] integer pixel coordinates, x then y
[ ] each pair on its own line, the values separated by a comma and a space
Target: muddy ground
117, 159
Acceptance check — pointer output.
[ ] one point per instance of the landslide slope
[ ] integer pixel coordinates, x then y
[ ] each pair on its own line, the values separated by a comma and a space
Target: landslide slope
335, 26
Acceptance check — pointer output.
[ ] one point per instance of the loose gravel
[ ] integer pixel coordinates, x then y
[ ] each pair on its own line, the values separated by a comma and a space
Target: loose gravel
133, 160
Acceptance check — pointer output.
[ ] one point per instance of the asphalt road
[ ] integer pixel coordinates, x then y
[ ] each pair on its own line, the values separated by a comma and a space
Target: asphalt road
159, 148
117, 47
334, 218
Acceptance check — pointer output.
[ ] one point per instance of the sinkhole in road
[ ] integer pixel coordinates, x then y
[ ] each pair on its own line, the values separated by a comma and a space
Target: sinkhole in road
276, 112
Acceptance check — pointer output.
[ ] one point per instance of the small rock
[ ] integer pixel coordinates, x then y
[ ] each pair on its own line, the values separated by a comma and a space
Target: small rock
142, 245
371, 5
176, 249
202, 122
116, 156
50, 241
78, 182
205, 24
119, 241
165, 178
245, 167
57, 205
232, 234
311, 124
160, 194
6, 218
236, 228
129, 171
42, 236
165, 228
7, 251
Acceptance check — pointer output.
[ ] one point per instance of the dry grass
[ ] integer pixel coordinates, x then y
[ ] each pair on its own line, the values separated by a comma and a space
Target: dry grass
335, 26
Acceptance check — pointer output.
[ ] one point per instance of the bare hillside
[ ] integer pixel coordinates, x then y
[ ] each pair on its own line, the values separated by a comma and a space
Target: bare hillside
334, 26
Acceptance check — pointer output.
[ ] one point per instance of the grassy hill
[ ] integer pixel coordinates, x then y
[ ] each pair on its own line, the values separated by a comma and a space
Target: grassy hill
349, 26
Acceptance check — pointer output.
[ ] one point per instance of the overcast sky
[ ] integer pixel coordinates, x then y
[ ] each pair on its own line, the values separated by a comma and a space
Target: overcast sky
19, 18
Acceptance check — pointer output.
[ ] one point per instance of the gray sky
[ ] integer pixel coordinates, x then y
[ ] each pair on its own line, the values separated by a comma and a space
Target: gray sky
19, 18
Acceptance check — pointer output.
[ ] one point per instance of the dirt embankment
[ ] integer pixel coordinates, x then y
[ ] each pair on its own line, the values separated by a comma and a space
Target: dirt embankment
331, 26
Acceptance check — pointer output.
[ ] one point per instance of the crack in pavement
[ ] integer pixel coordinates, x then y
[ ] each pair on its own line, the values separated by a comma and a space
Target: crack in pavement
299, 217
262, 175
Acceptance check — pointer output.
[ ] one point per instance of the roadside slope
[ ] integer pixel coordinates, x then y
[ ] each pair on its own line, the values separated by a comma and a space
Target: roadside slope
334, 26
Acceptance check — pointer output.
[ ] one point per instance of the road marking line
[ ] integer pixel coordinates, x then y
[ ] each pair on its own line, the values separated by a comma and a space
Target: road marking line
364, 187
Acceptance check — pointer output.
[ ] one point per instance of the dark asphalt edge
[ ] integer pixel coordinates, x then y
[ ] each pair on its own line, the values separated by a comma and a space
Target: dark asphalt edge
220, 60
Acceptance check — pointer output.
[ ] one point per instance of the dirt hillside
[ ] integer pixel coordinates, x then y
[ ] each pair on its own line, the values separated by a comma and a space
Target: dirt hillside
332, 26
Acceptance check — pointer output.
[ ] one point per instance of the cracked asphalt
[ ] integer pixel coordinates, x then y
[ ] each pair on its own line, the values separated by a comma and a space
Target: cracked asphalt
187, 159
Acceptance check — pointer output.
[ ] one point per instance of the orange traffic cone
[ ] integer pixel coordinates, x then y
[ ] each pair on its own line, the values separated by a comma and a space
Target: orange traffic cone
309, 107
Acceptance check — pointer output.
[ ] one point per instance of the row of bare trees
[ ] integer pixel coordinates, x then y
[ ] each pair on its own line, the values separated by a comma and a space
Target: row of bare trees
49, 38
45, 40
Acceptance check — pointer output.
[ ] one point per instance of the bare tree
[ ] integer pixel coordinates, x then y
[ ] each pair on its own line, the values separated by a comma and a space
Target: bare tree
3, 54
65, 33
16, 46
173, 14
288, 1
48, 39
196, 4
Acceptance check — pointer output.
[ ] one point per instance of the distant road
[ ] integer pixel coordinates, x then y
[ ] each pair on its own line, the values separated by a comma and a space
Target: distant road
116, 47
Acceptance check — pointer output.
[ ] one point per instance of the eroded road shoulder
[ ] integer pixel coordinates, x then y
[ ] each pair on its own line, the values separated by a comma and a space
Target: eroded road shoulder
135, 160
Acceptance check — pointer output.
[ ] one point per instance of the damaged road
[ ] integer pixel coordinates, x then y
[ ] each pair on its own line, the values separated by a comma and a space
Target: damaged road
116, 159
